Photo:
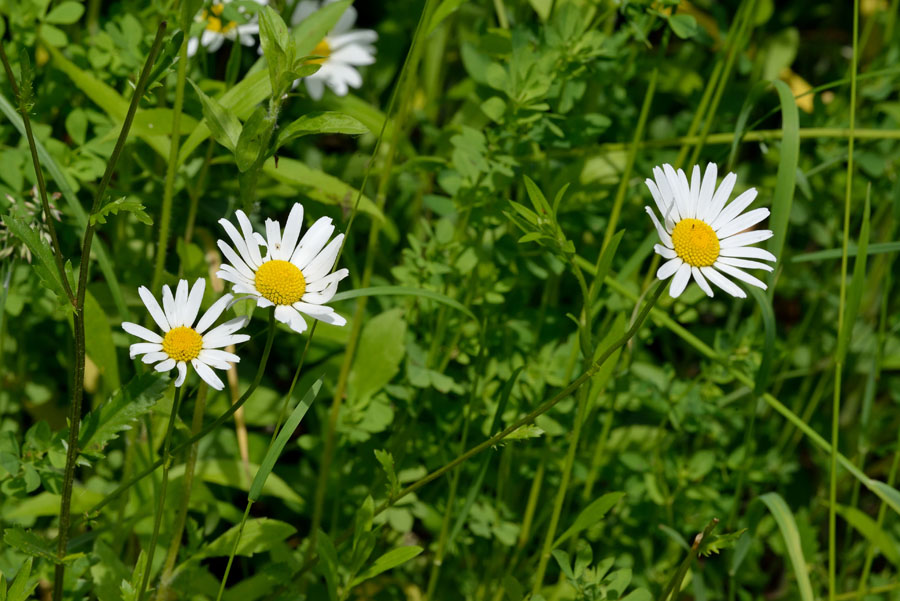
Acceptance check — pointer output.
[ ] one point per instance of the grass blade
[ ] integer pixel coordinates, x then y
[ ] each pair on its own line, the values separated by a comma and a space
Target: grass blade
788, 527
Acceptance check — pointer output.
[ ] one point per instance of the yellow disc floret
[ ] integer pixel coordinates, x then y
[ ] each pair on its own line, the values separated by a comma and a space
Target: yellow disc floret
695, 242
322, 49
281, 282
182, 344
214, 20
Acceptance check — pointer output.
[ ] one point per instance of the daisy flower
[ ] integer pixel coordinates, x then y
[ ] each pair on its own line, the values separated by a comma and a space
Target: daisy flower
293, 277
181, 340
219, 28
342, 50
702, 237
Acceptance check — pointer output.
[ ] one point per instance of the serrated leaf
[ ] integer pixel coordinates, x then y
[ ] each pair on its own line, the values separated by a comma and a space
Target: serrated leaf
46, 266
387, 463
125, 203
129, 403
35, 546
712, 545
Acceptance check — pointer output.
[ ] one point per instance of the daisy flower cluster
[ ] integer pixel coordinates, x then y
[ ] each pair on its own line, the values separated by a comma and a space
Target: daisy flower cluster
218, 26
702, 237
293, 275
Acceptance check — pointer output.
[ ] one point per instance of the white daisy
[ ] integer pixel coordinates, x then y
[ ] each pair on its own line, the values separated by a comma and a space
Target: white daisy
219, 28
293, 277
702, 237
342, 50
182, 341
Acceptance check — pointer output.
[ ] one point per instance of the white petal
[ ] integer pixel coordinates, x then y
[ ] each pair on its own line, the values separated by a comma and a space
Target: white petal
304, 9
223, 341
353, 54
141, 332
668, 196
735, 208
154, 357
722, 282
346, 74
680, 281
701, 281
675, 185
181, 297
313, 241
324, 261
329, 279
218, 355
247, 229
169, 306
664, 252
667, 269
657, 197
686, 194
695, 189
720, 198
357, 37
739, 274
192, 307
182, 373
141, 348
742, 222
193, 45
235, 261
706, 190
207, 374
292, 230
747, 252
166, 365
213, 313
315, 87
664, 236
345, 23
229, 327
322, 313
288, 315
744, 263
238, 240
273, 238
153, 307
745, 238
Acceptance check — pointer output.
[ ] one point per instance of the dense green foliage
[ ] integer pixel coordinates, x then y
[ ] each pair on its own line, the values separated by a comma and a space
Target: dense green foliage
489, 177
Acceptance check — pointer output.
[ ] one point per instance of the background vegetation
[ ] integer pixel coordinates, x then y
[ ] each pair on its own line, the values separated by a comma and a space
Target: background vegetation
492, 196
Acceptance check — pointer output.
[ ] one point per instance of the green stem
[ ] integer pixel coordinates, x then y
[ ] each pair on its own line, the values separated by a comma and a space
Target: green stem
165, 580
39, 175
199, 435
749, 447
234, 549
161, 500
78, 318
839, 358
165, 217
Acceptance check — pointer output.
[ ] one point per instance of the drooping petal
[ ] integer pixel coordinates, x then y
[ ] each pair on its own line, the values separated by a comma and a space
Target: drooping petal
154, 357
240, 244
288, 315
182, 373
207, 374
680, 280
664, 236
739, 274
664, 252
321, 312
166, 365
234, 260
701, 281
722, 282
668, 269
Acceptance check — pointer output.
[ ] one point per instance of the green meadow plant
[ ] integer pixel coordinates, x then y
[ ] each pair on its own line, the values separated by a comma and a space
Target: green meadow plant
449, 299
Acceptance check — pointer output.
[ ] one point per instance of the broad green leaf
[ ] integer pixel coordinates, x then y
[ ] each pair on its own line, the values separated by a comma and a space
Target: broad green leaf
403, 291
323, 122
388, 561
251, 143
65, 13
268, 463
276, 46
259, 535
382, 346
99, 344
684, 26
127, 204
590, 515
444, 10
104, 424
46, 504
866, 526
788, 527
36, 546
225, 126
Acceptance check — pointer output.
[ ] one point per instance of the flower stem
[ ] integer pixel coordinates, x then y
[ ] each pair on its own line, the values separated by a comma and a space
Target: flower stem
78, 317
206, 430
234, 547
161, 499
172, 555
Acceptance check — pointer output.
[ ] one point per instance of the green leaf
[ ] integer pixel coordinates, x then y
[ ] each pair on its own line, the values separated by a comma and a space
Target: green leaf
277, 47
35, 546
684, 26
786, 178
590, 515
857, 284
324, 122
19, 590
445, 9
224, 125
788, 527
403, 291
715, 543
852, 251
382, 346
878, 537
128, 204
230, 472
315, 27
389, 560
65, 13
99, 345
46, 265
251, 143
128, 404
329, 564
259, 535
129, 590
768, 350
268, 463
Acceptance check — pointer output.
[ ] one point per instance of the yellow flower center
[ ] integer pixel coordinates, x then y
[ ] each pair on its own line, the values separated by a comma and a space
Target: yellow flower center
214, 21
182, 344
281, 282
695, 242
322, 49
